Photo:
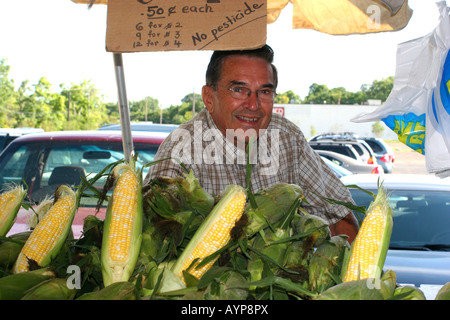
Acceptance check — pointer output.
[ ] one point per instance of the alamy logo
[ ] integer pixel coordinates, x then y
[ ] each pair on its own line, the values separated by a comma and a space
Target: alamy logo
210, 146
374, 20
74, 280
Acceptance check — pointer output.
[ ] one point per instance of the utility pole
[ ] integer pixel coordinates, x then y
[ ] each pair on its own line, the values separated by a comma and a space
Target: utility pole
146, 108
68, 106
193, 103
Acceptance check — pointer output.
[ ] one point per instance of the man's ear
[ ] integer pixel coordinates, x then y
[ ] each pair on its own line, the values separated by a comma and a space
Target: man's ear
207, 95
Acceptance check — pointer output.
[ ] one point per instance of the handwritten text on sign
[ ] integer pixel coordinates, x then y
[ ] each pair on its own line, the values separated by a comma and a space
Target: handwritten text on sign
158, 25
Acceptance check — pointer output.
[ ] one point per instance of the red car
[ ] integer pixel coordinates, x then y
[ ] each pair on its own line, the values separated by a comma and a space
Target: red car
43, 161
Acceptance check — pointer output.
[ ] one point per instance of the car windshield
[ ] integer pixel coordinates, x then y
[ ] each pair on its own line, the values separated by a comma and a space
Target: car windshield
376, 147
44, 166
421, 218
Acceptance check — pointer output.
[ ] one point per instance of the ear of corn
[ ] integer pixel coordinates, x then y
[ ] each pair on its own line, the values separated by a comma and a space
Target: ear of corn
194, 195
272, 205
214, 232
51, 289
325, 264
444, 292
408, 292
369, 249
123, 290
50, 233
10, 248
14, 286
122, 234
10, 202
168, 196
352, 290
316, 227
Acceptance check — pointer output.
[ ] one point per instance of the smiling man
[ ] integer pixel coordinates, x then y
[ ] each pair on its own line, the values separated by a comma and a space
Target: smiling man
238, 96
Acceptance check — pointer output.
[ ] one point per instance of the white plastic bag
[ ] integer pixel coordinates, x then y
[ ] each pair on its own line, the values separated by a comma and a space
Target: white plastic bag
418, 108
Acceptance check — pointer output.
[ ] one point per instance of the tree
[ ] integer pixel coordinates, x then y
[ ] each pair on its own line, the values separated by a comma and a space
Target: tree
83, 108
189, 101
318, 94
24, 102
287, 98
182, 113
47, 107
377, 129
379, 89
7, 96
145, 110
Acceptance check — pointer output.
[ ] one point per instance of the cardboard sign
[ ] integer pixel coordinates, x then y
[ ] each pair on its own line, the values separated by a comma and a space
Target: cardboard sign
169, 25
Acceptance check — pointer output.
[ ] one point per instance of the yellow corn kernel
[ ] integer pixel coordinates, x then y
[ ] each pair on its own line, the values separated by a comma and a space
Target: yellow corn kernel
122, 233
5, 200
10, 202
124, 209
363, 259
47, 234
212, 235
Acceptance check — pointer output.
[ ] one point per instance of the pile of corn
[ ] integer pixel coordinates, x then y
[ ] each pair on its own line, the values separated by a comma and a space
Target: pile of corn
172, 240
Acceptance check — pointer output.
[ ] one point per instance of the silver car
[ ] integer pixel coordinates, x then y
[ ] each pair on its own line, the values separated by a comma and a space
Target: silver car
419, 250
352, 165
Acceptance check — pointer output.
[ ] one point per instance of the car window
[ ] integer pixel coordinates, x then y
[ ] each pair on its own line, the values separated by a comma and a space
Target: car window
334, 160
336, 168
44, 166
342, 149
14, 169
358, 149
420, 218
375, 146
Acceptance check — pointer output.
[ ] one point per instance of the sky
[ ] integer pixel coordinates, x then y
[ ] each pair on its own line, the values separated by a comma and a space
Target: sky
65, 42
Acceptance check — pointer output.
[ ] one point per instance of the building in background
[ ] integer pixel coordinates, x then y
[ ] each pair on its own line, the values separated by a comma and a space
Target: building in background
316, 119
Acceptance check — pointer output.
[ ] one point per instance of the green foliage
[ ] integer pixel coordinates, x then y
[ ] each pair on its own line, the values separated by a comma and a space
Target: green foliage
321, 94
289, 97
377, 129
80, 106
184, 112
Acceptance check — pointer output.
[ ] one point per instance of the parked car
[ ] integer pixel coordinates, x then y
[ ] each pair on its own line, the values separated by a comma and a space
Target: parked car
338, 147
9, 134
364, 150
354, 166
383, 152
43, 161
419, 250
337, 169
143, 126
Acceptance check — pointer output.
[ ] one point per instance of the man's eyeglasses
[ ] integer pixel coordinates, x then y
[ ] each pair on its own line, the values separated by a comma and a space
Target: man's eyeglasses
243, 93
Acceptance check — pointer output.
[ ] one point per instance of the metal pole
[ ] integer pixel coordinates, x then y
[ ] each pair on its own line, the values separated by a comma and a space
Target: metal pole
124, 111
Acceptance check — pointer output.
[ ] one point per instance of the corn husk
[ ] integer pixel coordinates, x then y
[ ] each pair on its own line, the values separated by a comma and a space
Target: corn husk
13, 287
9, 210
273, 204
52, 289
444, 292
325, 264
115, 291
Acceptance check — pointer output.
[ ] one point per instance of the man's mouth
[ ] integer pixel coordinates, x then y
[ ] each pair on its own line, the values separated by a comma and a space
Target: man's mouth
247, 119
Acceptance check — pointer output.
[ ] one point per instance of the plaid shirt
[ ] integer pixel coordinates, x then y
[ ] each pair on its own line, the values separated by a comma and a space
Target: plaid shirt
282, 154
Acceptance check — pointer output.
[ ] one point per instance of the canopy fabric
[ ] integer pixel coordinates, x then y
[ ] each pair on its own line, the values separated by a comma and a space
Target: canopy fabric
339, 17
91, 2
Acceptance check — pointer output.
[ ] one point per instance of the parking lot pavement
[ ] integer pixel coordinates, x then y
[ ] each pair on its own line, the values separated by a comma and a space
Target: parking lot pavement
407, 160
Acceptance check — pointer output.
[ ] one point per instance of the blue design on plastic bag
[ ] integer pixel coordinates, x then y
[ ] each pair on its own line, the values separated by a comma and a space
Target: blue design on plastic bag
443, 91
410, 129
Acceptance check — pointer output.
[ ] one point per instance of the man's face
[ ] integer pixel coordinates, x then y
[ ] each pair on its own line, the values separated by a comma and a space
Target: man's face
232, 113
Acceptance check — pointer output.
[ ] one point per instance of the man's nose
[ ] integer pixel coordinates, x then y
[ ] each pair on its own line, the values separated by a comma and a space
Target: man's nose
253, 101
